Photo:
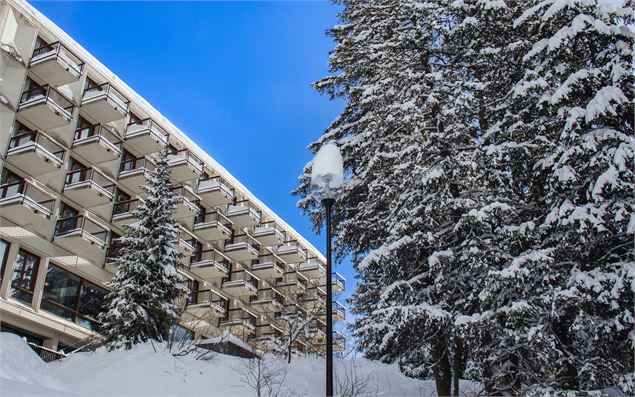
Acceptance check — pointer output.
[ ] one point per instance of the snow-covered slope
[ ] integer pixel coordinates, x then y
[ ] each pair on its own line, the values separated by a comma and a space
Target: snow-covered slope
144, 372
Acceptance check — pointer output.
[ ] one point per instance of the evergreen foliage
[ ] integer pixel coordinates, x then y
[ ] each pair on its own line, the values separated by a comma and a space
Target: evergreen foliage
489, 211
142, 304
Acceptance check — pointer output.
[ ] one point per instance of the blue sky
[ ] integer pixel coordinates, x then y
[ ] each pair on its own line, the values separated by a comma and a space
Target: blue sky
234, 76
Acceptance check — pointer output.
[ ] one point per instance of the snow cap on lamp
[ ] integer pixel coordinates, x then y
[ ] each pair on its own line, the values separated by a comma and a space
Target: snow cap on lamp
327, 169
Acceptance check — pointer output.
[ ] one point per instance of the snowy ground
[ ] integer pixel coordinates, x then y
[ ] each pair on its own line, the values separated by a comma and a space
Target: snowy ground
142, 372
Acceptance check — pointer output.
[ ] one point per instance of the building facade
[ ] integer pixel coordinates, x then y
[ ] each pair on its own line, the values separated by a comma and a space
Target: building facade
76, 143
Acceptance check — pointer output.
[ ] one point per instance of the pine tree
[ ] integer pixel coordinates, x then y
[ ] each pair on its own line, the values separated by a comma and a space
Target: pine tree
142, 304
571, 112
489, 209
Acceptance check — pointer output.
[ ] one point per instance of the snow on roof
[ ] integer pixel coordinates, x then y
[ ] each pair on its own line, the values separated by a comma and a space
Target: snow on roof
43, 23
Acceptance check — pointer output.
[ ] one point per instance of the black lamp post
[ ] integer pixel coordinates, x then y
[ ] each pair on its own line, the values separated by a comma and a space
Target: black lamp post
327, 175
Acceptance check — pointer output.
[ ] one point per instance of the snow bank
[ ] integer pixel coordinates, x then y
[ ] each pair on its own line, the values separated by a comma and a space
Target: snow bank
22, 371
144, 372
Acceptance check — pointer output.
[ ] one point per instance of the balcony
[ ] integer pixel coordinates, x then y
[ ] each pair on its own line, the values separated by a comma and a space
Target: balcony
89, 187
80, 235
133, 173
146, 137
123, 213
56, 64
240, 283
112, 253
268, 234
268, 267
312, 268
339, 311
292, 252
213, 227
97, 144
215, 191
46, 107
243, 214
292, 283
339, 341
184, 245
184, 166
186, 203
267, 332
23, 203
339, 282
209, 264
239, 322
314, 299
267, 301
242, 248
207, 304
35, 153
104, 103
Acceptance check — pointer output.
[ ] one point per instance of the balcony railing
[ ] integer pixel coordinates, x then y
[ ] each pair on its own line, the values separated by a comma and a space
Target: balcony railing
183, 194
215, 216
83, 226
211, 255
35, 139
125, 207
312, 265
337, 279
137, 127
141, 163
241, 277
243, 241
108, 91
240, 315
185, 157
244, 206
46, 354
291, 247
209, 297
92, 176
215, 182
337, 306
98, 133
49, 95
62, 54
268, 294
267, 261
26, 192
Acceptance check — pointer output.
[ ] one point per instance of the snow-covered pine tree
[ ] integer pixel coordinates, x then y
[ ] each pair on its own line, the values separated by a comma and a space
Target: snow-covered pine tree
409, 149
142, 304
557, 312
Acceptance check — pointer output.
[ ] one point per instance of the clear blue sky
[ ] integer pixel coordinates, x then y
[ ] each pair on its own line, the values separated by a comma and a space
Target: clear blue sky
234, 76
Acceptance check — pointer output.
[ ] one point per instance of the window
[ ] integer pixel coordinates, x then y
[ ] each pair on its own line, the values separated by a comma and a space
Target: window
192, 285
24, 272
84, 129
77, 172
4, 254
127, 161
134, 119
72, 297
40, 43
68, 219
11, 184
91, 85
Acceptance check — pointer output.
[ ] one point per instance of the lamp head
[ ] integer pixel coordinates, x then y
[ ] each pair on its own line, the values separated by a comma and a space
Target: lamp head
327, 170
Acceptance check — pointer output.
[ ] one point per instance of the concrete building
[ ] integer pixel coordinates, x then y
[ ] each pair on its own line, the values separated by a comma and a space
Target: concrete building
75, 144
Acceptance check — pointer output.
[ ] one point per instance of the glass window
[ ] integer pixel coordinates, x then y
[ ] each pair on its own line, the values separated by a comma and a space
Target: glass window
72, 298
23, 280
91, 303
61, 287
180, 333
4, 253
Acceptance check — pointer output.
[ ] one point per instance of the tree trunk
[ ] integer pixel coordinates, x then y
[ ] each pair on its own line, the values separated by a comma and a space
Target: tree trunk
289, 354
457, 365
441, 368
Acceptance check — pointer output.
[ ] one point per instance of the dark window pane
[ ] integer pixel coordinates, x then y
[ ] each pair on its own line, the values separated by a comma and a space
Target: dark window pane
58, 310
91, 303
4, 252
61, 287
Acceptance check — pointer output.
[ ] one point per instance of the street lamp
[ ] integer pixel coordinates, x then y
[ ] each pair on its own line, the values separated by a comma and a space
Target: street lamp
327, 176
